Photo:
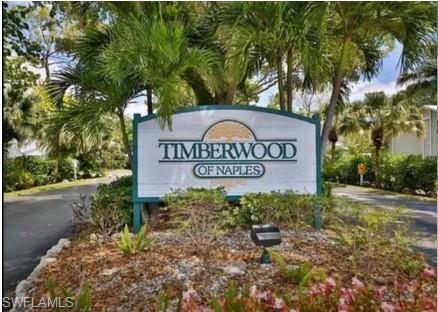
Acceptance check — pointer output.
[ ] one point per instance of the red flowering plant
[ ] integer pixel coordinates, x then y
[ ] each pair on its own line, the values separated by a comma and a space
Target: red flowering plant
417, 295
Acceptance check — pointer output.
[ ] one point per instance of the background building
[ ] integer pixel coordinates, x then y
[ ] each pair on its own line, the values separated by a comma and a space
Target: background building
409, 143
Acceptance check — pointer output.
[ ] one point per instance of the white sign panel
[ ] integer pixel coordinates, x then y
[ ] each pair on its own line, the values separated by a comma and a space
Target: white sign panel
245, 149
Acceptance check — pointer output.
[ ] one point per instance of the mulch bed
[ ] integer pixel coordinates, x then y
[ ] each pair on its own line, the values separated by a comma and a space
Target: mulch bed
132, 283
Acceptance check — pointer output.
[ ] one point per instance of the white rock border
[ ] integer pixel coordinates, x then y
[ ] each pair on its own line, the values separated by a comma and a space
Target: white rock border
22, 289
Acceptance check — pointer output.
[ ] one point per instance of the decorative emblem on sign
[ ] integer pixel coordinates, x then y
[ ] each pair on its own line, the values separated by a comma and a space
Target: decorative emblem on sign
228, 149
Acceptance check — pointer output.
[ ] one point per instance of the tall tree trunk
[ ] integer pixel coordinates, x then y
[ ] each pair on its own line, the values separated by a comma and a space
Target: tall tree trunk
231, 91
46, 68
377, 170
202, 93
337, 83
279, 63
333, 150
289, 80
149, 99
125, 136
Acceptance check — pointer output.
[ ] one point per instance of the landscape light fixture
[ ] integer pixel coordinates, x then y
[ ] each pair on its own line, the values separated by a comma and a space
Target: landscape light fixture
265, 235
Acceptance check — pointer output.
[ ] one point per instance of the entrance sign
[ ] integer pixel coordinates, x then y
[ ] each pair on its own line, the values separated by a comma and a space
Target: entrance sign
243, 148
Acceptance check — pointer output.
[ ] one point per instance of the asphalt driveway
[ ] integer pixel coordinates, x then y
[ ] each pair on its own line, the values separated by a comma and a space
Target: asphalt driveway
422, 212
34, 223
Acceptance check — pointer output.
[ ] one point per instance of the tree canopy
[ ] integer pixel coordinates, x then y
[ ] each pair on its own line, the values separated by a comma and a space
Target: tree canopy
99, 57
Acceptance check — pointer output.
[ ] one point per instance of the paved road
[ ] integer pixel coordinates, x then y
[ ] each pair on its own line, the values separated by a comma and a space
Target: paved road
31, 225
423, 213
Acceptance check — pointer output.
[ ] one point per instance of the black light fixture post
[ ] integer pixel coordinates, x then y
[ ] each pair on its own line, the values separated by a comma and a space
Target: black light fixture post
265, 235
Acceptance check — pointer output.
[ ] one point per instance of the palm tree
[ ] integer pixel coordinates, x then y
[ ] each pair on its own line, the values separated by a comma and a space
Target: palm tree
423, 79
156, 53
284, 35
383, 118
359, 30
96, 94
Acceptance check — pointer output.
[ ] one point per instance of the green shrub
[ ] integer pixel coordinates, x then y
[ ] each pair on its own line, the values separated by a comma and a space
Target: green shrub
26, 171
198, 214
66, 169
111, 205
23, 179
344, 169
282, 208
89, 166
411, 174
40, 166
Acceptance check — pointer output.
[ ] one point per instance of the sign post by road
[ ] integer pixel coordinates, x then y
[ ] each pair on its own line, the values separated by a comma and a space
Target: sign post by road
361, 170
243, 148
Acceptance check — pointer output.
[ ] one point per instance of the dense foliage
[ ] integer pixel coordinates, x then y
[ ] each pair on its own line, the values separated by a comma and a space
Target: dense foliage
26, 171
109, 54
410, 174
111, 206
282, 208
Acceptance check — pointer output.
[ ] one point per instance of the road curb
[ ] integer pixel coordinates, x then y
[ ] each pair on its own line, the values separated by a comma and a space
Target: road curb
22, 289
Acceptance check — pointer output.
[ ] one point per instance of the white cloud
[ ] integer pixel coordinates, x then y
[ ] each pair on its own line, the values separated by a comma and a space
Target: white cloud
359, 89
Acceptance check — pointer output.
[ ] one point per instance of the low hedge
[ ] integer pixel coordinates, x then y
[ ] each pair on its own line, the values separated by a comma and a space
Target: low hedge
112, 204
409, 174
282, 208
27, 171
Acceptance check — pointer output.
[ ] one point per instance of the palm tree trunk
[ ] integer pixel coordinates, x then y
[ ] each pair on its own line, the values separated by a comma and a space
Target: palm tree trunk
230, 93
149, 99
289, 83
333, 150
125, 137
377, 171
337, 83
280, 80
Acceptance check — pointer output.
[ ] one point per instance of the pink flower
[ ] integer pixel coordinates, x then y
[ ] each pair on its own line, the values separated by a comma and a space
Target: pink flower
279, 304
343, 306
356, 283
429, 272
380, 292
189, 294
261, 295
314, 289
346, 297
330, 284
387, 307
253, 290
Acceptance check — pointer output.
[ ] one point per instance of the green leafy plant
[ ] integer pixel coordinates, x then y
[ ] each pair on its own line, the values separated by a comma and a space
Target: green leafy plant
162, 303
132, 245
111, 206
282, 208
80, 303
300, 275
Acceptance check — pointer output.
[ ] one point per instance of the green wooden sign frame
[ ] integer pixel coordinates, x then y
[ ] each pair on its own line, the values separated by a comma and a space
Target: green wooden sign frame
139, 201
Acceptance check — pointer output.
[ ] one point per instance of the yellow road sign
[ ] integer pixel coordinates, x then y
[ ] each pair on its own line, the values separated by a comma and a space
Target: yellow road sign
361, 169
